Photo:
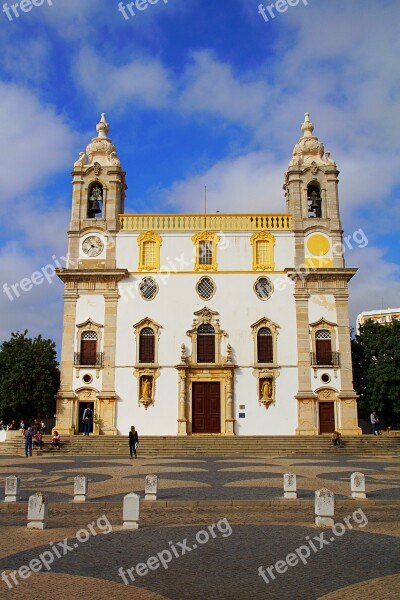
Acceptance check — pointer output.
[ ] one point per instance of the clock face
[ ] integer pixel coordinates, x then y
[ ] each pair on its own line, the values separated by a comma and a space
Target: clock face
92, 246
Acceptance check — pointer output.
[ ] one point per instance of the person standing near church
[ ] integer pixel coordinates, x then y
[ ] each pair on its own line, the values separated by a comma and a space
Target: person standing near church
28, 442
375, 423
133, 441
87, 419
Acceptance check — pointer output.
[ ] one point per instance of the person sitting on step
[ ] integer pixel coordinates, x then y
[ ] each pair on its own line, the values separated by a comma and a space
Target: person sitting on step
56, 443
336, 439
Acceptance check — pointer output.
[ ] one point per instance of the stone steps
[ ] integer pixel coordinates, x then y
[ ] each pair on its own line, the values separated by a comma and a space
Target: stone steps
166, 446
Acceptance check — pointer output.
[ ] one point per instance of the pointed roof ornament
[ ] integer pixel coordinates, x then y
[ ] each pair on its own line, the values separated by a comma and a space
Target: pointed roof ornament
307, 127
309, 150
102, 127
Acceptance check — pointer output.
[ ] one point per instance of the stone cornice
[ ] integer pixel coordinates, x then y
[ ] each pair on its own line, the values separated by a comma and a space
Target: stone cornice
320, 274
100, 275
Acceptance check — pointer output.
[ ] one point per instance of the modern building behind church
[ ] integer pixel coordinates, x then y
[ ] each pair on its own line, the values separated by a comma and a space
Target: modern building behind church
230, 324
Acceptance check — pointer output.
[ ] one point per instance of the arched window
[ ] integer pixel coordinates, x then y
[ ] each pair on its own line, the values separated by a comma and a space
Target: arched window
264, 346
147, 345
314, 201
88, 348
206, 344
95, 201
323, 347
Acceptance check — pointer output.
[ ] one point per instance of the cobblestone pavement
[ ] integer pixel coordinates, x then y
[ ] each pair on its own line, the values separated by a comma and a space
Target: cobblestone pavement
362, 562
202, 478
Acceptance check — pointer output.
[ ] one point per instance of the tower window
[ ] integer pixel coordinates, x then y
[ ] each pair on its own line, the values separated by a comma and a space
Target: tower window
206, 344
264, 346
323, 347
95, 201
146, 345
88, 348
314, 202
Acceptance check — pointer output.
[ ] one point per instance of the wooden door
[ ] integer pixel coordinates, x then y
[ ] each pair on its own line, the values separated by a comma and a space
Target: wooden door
206, 407
326, 417
88, 352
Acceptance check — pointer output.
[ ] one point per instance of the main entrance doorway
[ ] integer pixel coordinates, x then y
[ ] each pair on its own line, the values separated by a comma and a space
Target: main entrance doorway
206, 407
326, 417
82, 406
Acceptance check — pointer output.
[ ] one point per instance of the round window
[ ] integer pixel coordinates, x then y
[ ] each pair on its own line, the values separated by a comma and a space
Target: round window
263, 288
205, 288
325, 378
148, 288
87, 378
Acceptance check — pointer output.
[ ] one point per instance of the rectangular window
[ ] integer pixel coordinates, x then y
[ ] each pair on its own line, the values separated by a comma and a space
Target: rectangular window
149, 254
324, 352
262, 252
146, 349
88, 352
205, 252
264, 349
205, 348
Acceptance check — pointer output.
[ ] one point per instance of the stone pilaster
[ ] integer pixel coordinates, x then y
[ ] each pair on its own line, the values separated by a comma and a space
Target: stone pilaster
182, 419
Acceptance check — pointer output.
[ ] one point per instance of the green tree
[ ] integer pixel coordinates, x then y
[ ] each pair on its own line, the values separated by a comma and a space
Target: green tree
376, 369
29, 377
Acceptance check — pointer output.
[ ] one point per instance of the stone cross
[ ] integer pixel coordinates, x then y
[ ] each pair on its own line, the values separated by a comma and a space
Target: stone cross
80, 488
131, 510
358, 485
289, 485
324, 508
151, 486
12, 488
37, 511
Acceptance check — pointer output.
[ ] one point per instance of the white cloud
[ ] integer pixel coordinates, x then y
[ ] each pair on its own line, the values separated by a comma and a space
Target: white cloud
37, 142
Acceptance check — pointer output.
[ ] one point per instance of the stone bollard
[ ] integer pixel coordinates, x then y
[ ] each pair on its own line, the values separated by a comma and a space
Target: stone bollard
289, 485
358, 485
12, 488
80, 488
37, 511
150, 487
324, 508
131, 511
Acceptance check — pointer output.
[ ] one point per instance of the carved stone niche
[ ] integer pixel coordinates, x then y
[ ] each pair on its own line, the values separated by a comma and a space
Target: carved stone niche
266, 386
146, 386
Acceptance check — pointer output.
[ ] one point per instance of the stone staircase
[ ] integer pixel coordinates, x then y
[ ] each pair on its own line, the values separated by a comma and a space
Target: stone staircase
167, 446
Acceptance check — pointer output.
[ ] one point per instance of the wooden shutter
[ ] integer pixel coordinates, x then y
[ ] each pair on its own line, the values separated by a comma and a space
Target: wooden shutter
88, 352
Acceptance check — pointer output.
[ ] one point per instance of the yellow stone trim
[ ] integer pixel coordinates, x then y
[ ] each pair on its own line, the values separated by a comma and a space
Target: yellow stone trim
319, 263
210, 222
263, 236
154, 238
203, 237
233, 272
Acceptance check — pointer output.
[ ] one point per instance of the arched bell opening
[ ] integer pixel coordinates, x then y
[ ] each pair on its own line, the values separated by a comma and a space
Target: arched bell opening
95, 201
314, 201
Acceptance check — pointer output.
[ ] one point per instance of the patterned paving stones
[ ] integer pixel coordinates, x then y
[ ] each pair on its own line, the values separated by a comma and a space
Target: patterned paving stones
361, 563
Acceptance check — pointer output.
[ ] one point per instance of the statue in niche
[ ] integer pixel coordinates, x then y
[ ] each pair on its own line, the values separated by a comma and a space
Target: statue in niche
266, 391
146, 388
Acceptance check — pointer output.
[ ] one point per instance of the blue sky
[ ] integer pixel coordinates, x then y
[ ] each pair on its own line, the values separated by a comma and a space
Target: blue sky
197, 92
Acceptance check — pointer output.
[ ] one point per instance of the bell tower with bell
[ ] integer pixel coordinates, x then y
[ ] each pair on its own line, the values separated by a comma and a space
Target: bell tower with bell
91, 279
320, 291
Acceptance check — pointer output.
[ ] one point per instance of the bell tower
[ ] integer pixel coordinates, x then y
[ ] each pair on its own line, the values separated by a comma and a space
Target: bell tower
325, 388
91, 279
98, 195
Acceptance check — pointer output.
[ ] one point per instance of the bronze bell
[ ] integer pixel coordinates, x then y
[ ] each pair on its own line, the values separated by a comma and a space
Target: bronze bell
94, 208
315, 202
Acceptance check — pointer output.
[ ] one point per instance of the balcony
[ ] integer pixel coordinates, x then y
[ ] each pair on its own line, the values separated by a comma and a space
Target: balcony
328, 359
206, 222
92, 360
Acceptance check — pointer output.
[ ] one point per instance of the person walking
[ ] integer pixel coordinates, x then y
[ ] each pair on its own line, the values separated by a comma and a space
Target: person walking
375, 423
87, 419
133, 441
28, 441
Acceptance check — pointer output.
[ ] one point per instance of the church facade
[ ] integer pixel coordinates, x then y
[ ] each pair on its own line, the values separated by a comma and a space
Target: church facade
225, 324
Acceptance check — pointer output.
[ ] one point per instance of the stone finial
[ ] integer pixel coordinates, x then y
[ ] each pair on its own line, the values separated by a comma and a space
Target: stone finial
37, 511
12, 488
151, 487
131, 510
307, 127
289, 486
358, 485
324, 507
102, 127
